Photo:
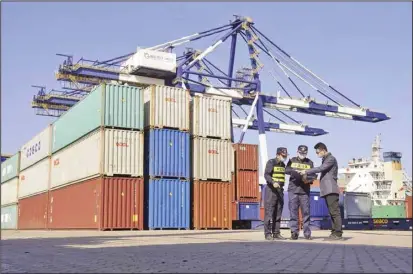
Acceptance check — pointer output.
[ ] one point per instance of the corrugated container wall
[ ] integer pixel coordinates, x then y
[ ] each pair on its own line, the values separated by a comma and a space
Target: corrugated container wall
409, 204
318, 207
211, 116
9, 217
212, 159
389, 211
32, 212
121, 153
249, 211
246, 157
9, 192
35, 179
38, 148
246, 185
168, 203
357, 205
168, 152
166, 107
10, 168
107, 105
101, 203
212, 205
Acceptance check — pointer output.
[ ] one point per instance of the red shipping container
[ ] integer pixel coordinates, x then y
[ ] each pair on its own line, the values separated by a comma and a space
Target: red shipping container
246, 186
262, 213
101, 203
212, 205
246, 157
32, 212
234, 211
409, 206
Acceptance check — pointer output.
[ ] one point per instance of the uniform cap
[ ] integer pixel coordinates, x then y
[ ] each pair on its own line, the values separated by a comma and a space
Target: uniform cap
303, 149
282, 151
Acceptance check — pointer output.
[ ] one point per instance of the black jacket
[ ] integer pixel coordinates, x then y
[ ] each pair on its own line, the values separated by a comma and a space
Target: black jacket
269, 171
296, 184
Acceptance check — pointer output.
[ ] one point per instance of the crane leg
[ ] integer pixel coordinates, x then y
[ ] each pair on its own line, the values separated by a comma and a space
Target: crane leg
262, 137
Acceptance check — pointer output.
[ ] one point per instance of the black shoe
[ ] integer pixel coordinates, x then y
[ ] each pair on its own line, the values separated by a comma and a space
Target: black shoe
335, 237
308, 237
269, 238
294, 236
278, 237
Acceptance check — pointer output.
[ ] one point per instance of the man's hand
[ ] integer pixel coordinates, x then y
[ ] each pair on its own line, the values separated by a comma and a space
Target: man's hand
276, 185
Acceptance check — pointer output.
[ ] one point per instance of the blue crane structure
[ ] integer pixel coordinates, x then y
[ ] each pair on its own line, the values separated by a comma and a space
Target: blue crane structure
198, 74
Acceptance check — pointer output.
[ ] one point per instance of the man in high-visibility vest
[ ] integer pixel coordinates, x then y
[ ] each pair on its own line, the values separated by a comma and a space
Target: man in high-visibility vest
299, 191
274, 175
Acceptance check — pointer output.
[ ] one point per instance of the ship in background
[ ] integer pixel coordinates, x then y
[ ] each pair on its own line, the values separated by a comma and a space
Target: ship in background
385, 179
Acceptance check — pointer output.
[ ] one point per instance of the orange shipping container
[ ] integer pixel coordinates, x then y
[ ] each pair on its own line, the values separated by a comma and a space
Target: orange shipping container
32, 212
234, 210
212, 205
246, 157
262, 213
409, 206
100, 203
246, 186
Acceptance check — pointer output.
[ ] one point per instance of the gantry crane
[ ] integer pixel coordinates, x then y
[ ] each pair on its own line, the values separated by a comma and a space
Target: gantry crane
244, 88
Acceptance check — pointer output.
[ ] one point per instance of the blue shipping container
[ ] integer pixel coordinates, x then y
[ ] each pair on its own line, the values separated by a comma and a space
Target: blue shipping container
168, 153
358, 224
249, 211
169, 203
320, 223
318, 207
9, 217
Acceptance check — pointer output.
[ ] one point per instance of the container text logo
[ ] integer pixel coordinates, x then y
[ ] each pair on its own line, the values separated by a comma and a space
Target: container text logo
7, 170
169, 99
121, 144
56, 162
5, 218
212, 110
213, 151
32, 149
158, 57
380, 221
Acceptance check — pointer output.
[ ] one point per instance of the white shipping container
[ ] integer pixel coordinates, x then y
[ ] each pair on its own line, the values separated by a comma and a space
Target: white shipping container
212, 159
38, 148
167, 107
152, 60
104, 151
9, 192
35, 179
211, 116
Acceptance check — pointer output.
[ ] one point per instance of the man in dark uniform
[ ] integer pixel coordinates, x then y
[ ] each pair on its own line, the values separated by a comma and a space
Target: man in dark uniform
299, 191
274, 195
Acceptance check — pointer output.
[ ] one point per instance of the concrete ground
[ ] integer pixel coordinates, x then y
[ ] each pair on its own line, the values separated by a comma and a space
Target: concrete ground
203, 251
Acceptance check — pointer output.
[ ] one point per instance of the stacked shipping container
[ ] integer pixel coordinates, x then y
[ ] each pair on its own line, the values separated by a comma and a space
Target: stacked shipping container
9, 192
167, 154
246, 197
212, 160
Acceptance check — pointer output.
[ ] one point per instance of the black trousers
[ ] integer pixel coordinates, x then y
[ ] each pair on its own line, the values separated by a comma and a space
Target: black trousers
335, 214
273, 206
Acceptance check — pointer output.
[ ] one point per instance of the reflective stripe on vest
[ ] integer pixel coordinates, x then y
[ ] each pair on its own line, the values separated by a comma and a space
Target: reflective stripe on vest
300, 166
278, 174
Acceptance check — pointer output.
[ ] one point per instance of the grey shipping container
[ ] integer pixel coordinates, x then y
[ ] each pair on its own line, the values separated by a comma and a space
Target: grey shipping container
9, 217
357, 205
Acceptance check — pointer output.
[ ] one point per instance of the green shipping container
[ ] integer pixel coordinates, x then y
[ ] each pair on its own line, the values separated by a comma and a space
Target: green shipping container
10, 168
107, 105
9, 217
389, 211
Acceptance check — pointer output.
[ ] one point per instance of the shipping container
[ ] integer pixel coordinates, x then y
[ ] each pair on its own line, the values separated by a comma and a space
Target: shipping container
389, 211
409, 205
109, 152
38, 148
235, 206
246, 157
35, 179
101, 203
392, 224
10, 168
318, 206
357, 205
246, 185
212, 159
211, 116
166, 107
212, 206
108, 105
32, 212
249, 211
9, 192
168, 203
168, 153
262, 213
9, 217
358, 224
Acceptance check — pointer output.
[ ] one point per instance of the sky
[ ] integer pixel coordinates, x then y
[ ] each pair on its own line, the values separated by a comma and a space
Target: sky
362, 49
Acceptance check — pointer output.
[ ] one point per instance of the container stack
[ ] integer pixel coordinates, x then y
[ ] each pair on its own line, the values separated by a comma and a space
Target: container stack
96, 176
167, 154
212, 162
9, 192
246, 187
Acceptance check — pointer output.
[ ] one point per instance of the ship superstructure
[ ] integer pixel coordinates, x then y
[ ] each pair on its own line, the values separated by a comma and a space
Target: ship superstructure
384, 178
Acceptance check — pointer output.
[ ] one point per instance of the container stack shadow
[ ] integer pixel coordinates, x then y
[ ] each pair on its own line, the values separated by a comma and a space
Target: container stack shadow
212, 162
